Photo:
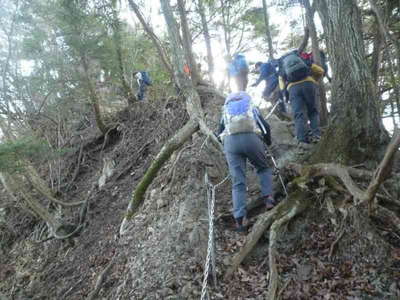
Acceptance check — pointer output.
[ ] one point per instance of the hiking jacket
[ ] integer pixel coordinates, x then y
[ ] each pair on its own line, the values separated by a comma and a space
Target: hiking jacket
266, 70
316, 73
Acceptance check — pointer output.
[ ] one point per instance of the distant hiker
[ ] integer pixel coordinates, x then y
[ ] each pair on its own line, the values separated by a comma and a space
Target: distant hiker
239, 70
299, 79
271, 92
240, 126
143, 80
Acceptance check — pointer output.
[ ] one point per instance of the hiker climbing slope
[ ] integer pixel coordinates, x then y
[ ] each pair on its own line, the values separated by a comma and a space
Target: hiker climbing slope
299, 79
271, 91
239, 70
240, 129
144, 81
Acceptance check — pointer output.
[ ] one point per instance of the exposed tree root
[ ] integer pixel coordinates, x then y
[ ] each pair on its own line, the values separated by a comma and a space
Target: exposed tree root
383, 171
296, 202
100, 279
340, 234
297, 208
343, 173
165, 153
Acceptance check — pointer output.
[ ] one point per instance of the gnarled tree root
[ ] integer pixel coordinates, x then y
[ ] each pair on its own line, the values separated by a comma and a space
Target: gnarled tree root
296, 203
300, 204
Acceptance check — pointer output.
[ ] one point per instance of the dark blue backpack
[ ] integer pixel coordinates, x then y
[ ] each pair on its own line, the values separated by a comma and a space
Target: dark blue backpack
146, 78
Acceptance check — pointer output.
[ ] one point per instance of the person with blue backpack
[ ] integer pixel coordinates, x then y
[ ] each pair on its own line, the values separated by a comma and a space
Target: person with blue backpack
239, 70
268, 73
299, 79
143, 80
243, 130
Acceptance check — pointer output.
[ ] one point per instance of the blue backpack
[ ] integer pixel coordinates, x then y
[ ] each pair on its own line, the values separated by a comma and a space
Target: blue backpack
239, 114
146, 78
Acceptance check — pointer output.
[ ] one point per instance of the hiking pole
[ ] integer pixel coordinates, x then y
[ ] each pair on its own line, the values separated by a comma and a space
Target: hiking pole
273, 108
277, 171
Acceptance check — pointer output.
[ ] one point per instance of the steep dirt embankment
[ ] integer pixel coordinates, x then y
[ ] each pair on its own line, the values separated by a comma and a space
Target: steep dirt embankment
325, 253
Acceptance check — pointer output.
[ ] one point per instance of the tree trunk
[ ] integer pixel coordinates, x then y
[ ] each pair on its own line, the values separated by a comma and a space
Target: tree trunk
267, 30
385, 29
376, 58
225, 27
187, 43
129, 95
94, 99
320, 91
153, 37
207, 39
193, 107
356, 133
15, 188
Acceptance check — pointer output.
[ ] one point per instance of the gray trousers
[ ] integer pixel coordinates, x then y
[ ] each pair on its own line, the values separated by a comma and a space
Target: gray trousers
238, 148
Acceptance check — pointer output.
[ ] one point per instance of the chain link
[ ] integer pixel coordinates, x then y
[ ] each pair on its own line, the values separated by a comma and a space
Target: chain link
211, 207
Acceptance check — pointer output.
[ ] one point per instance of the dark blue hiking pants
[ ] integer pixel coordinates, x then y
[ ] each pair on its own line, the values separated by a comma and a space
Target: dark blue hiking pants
303, 95
142, 90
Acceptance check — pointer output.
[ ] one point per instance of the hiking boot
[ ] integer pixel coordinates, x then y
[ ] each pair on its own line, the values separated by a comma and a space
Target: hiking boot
315, 139
241, 225
269, 202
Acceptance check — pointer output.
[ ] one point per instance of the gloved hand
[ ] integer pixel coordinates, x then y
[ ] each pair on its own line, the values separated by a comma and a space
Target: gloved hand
218, 137
286, 96
267, 140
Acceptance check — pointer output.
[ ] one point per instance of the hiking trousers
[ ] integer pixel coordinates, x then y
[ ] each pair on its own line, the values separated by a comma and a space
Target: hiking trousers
303, 95
239, 148
142, 90
242, 80
273, 97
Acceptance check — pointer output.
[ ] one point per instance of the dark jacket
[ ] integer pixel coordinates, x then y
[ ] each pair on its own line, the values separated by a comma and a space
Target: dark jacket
269, 74
266, 70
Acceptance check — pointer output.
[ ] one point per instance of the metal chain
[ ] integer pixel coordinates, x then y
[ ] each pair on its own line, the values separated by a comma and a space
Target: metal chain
211, 207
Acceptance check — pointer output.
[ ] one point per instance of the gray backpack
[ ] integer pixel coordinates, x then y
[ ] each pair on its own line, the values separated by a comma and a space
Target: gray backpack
295, 69
239, 116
